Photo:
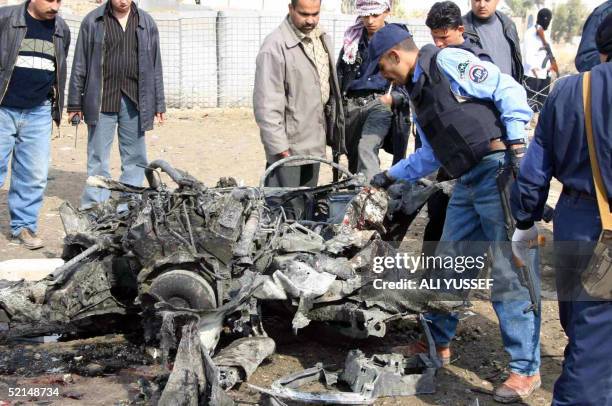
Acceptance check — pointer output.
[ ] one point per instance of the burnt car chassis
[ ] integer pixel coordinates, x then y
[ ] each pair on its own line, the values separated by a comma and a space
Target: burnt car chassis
197, 261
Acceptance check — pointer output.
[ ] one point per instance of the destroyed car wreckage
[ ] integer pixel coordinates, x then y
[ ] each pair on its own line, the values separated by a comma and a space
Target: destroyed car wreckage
197, 261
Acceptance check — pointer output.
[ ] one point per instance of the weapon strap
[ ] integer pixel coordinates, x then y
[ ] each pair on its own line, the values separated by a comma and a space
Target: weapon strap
600, 191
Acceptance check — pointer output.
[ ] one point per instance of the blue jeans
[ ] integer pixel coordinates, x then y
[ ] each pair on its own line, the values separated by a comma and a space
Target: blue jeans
132, 149
586, 377
25, 134
475, 214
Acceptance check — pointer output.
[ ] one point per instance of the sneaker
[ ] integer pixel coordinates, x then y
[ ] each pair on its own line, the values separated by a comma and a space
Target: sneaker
419, 347
517, 388
29, 239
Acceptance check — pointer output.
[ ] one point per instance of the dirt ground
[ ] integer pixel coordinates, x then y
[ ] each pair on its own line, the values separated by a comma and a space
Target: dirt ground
210, 144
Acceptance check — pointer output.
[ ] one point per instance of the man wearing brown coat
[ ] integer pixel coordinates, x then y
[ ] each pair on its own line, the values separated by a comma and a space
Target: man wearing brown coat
296, 97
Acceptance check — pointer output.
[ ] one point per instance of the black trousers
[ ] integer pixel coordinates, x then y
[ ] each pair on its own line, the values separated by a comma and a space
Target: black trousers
436, 211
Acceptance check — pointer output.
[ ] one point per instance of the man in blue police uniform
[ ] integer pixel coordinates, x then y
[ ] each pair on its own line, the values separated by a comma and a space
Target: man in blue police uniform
588, 56
471, 121
560, 150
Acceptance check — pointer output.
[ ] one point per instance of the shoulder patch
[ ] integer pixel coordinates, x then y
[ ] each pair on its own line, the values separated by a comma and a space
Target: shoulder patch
478, 73
462, 68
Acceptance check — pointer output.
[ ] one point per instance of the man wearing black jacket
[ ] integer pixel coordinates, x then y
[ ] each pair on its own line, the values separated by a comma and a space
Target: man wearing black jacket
496, 33
116, 81
34, 42
370, 123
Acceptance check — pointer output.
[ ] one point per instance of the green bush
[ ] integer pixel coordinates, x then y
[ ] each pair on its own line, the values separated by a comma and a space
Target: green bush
567, 21
520, 8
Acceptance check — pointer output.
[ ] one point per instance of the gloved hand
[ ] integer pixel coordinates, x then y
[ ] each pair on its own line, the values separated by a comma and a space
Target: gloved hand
382, 180
522, 240
517, 152
408, 197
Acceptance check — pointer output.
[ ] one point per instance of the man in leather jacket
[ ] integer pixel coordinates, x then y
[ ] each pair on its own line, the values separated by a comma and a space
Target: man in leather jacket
34, 42
496, 33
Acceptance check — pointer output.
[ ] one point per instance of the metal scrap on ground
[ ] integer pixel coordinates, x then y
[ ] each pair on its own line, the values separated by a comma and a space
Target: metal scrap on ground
195, 262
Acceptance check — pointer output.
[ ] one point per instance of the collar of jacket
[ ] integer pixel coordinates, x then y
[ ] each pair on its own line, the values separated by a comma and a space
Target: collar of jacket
109, 8
291, 38
18, 19
98, 14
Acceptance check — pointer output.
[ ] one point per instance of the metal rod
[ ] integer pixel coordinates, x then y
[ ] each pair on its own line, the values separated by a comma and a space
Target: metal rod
188, 225
59, 271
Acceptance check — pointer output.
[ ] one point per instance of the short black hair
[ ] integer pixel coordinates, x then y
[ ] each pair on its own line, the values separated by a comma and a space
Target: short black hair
295, 2
444, 15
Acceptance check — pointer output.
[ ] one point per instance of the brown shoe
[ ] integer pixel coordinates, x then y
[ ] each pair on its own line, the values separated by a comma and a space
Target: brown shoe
419, 347
29, 239
517, 388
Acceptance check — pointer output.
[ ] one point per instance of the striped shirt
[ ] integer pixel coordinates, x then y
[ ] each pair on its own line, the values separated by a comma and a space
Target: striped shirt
120, 72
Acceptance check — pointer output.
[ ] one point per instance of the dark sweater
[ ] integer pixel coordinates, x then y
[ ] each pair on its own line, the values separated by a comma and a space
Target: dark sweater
34, 73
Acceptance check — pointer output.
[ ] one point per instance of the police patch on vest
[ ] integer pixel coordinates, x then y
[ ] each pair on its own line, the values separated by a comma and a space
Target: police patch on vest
478, 74
461, 68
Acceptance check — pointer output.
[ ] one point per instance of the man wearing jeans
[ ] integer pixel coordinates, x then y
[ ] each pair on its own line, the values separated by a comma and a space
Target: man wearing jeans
471, 120
34, 43
116, 81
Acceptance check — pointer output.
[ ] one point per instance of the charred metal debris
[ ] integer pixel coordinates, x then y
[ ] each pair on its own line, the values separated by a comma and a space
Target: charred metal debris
195, 262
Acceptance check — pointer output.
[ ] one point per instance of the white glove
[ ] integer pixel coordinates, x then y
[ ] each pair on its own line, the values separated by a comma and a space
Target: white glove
522, 240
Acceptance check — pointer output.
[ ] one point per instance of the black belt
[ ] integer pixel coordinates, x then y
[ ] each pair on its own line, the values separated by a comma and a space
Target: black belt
352, 94
577, 194
362, 98
496, 145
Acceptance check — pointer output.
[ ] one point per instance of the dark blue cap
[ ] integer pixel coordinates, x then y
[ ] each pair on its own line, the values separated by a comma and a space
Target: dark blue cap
385, 39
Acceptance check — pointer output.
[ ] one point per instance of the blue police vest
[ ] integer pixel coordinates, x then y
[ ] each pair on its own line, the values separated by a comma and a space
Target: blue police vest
459, 131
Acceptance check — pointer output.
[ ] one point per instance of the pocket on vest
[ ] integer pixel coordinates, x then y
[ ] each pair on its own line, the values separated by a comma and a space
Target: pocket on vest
459, 141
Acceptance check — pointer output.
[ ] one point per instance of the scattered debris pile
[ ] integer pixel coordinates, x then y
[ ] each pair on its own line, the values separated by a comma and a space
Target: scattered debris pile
381, 375
195, 262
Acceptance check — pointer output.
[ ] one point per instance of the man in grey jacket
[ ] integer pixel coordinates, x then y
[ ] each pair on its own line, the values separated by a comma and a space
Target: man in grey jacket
496, 34
116, 80
296, 97
34, 42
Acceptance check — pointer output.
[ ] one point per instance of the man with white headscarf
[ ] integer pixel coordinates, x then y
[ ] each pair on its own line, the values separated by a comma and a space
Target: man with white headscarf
370, 122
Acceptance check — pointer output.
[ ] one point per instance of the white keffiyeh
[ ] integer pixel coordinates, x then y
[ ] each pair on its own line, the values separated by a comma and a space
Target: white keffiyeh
353, 33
